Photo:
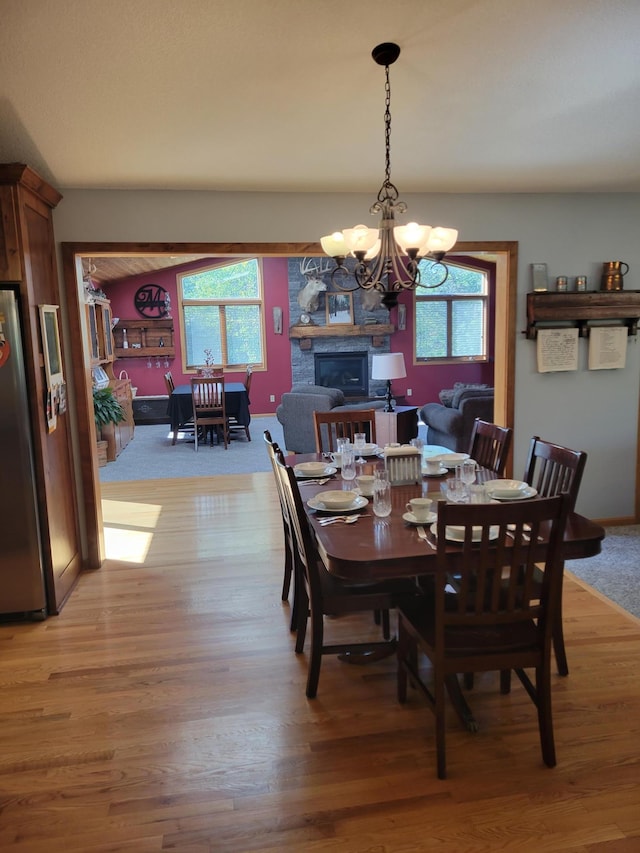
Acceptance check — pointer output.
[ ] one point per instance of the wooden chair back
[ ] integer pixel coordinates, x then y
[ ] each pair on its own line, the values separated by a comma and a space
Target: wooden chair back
247, 378
289, 548
490, 445
499, 618
553, 469
332, 425
207, 396
168, 381
322, 594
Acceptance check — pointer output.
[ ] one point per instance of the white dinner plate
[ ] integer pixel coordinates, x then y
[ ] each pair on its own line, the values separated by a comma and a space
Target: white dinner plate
328, 471
529, 492
456, 534
316, 503
410, 518
450, 460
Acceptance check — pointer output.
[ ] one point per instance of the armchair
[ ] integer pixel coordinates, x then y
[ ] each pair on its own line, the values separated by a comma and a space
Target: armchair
296, 409
452, 425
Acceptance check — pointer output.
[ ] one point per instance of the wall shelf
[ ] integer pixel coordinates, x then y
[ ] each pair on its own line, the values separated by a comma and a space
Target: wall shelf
582, 310
370, 330
145, 338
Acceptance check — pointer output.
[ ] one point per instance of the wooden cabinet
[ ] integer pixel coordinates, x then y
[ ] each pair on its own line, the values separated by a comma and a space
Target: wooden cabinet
144, 338
99, 330
27, 256
119, 435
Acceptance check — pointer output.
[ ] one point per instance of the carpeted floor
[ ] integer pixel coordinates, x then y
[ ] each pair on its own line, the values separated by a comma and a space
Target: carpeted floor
151, 455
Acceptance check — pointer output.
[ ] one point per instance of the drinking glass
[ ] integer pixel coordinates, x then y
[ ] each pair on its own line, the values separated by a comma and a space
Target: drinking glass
381, 494
348, 471
468, 472
456, 490
359, 442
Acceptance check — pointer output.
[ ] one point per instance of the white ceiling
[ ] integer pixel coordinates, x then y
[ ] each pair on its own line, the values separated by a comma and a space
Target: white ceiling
282, 95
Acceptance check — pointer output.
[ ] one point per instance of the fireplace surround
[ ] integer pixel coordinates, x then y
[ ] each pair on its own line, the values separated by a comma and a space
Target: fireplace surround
348, 371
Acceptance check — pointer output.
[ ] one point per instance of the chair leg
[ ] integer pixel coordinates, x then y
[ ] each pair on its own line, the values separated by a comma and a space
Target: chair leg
558, 637
468, 680
386, 626
248, 434
440, 712
302, 609
315, 660
402, 654
545, 719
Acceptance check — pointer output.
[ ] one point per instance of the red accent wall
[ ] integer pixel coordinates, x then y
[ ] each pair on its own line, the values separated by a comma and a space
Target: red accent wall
273, 381
424, 380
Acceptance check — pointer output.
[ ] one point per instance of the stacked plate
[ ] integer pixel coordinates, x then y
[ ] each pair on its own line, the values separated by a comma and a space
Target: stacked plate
450, 460
313, 469
456, 534
509, 490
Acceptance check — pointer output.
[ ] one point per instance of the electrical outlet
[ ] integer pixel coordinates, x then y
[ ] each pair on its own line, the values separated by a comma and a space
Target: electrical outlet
409, 392
272, 398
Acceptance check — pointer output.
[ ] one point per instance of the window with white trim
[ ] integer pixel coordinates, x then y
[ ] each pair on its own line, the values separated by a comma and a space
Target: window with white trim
222, 315
451, 320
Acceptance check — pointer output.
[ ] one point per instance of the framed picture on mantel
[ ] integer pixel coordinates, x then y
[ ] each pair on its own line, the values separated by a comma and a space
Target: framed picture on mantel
339, 309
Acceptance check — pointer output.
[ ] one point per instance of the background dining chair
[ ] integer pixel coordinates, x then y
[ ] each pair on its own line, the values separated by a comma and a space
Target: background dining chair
499, 619
289, 579
168, 381
232, 420
323, 594
552, 469
490, 445
183, 425
207, 395
342, 424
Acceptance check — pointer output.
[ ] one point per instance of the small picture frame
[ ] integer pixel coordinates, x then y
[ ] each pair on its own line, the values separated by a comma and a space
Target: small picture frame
277, 321
51, 345
339, 309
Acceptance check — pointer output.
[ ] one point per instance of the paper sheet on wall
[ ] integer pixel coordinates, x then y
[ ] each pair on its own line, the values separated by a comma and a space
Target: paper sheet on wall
607, 348
557, 350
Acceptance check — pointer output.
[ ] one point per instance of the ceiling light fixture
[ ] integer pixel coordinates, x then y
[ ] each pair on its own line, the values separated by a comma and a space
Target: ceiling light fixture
387, 259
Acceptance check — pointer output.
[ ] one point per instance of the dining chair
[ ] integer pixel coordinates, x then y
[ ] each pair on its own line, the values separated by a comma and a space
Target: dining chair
168, 381
207, 395
490, 445
289, 579
501, 619
552, 469
232, 420
332, 425
323, 594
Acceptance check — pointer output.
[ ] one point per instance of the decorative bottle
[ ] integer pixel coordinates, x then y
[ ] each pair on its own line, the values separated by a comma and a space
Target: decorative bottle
125, 342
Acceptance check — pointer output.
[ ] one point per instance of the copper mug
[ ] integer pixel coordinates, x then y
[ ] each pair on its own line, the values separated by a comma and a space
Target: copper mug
613, 273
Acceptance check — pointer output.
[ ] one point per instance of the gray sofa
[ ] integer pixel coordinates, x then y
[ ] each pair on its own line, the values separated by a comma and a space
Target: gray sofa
450, 422
296, 409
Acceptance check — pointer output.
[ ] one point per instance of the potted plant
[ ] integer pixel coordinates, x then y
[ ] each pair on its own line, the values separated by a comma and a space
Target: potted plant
107, 412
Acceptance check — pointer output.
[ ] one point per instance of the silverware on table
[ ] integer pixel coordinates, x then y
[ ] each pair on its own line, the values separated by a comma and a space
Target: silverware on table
422, 533
314, 482
345, 519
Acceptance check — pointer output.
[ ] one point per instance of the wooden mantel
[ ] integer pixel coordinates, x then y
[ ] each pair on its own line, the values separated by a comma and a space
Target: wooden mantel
341, 330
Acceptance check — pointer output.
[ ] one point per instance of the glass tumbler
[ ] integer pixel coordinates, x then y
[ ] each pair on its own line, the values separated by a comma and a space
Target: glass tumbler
381, 494
348, 471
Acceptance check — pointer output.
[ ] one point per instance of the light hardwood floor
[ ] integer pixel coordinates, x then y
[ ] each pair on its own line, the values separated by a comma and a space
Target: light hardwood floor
164, 709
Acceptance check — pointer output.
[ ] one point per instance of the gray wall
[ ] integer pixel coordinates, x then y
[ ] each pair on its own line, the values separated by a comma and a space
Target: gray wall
596, 411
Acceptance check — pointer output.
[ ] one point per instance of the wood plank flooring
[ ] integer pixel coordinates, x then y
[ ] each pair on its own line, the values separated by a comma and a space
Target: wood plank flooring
164, 709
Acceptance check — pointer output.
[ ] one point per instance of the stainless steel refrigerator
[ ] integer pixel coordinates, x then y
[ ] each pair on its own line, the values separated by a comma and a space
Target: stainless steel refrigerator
22, 582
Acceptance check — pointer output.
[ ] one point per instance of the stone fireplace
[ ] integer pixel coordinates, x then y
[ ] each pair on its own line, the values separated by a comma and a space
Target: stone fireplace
358, 344
348, 371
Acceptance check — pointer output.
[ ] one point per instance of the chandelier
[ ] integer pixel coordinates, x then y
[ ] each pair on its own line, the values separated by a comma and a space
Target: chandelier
388, 258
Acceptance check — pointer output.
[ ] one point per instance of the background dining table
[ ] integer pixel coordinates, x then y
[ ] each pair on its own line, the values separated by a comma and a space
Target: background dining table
236, 401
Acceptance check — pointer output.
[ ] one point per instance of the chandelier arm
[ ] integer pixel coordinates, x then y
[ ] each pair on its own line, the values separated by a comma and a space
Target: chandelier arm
442, 280
341, 272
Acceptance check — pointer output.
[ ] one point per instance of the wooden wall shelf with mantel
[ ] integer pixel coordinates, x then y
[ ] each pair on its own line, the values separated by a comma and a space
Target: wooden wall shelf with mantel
376, 331
544, 309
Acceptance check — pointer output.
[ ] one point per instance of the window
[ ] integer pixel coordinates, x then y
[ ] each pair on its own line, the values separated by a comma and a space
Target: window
451, 320
222, 312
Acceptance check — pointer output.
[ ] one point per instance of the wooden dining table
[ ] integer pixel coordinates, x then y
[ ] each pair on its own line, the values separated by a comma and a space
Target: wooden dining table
375, 549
